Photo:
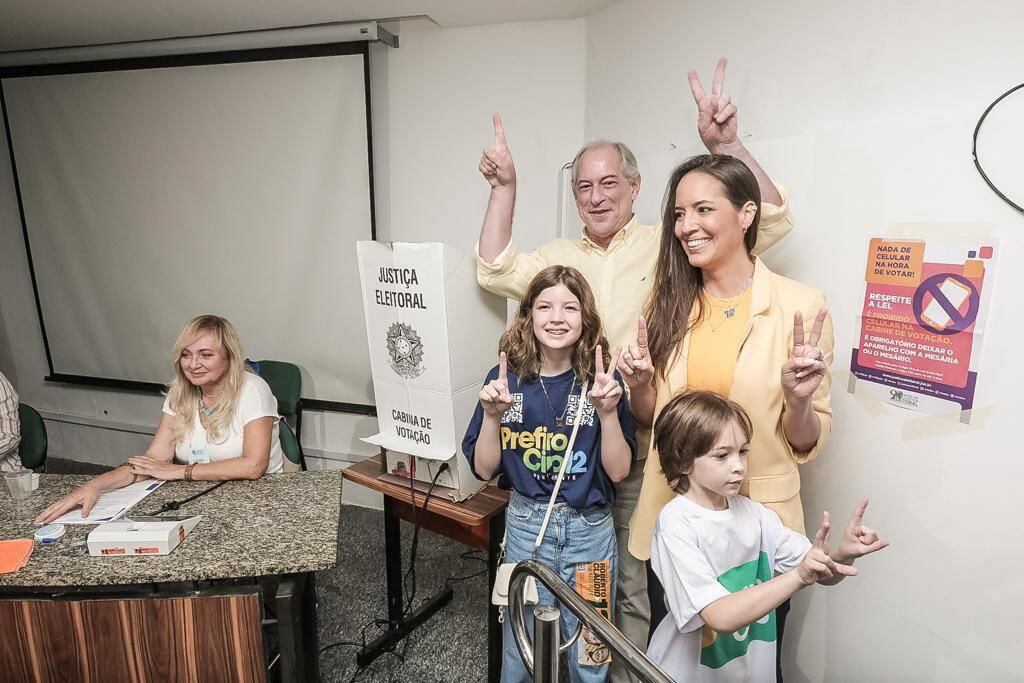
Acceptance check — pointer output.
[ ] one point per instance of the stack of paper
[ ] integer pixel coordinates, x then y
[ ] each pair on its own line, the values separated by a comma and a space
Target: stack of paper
14, 554
112, 504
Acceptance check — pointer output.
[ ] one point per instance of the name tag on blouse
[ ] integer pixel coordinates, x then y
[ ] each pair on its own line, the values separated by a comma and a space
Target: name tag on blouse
199, 455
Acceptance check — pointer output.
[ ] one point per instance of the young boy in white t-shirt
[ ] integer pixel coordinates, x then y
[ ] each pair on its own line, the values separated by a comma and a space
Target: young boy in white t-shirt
725, 561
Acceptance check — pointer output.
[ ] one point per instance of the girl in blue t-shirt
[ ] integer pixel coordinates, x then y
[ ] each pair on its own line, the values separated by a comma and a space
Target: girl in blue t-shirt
520, 430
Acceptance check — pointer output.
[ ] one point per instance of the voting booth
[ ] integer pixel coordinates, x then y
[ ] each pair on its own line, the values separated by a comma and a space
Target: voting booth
432, 334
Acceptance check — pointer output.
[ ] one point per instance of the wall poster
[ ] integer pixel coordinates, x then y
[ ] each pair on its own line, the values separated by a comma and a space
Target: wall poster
922, 322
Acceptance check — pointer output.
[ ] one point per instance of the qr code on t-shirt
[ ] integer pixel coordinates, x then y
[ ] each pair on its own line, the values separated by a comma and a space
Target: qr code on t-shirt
515, 413
587, 418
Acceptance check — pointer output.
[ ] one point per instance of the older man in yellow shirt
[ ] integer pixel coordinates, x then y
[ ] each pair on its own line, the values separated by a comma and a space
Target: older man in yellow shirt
617, 256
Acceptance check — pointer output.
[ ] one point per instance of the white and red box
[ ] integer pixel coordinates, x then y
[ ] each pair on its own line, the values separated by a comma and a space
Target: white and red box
131, 538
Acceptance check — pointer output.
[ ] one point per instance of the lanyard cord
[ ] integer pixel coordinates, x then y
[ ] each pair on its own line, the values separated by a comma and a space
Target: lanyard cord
561, 470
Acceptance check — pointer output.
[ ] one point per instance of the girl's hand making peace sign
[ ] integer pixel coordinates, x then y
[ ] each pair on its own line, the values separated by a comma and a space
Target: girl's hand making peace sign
607, 391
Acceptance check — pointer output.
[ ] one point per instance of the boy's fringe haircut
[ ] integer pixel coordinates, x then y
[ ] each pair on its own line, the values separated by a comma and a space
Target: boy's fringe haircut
688, 427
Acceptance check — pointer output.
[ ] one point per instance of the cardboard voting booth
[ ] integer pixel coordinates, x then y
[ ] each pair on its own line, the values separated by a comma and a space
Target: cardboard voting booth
433, 335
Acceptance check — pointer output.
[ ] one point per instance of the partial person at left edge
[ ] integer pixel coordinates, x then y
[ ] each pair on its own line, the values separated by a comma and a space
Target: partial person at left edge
219, 422
10, 427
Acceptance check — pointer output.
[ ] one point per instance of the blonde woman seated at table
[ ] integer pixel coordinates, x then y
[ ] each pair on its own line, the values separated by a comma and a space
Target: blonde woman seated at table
220, 421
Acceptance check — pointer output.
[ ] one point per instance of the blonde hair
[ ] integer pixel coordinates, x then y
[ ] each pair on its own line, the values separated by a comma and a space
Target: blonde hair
522, 347
183, 396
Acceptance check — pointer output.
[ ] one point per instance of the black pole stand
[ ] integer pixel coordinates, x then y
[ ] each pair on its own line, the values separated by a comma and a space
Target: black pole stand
399, 627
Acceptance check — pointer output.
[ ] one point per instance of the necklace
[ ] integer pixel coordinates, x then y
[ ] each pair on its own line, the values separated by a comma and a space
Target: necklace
202, 404
727, 306
559, 421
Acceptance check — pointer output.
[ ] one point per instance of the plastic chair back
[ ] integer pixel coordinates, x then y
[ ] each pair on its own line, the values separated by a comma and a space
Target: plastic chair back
285, 381
33, 446
289, 444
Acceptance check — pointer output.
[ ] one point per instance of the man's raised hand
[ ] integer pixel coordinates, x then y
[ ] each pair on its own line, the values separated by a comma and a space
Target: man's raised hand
716, 114
496, 162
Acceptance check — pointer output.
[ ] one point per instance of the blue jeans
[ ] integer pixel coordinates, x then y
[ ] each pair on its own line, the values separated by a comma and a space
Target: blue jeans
573, 536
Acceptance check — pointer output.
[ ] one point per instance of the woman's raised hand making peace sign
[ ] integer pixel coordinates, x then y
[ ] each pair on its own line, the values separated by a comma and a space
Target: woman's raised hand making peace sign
804, 370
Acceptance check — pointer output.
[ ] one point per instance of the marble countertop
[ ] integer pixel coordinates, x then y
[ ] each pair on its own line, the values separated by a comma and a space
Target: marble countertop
279, 524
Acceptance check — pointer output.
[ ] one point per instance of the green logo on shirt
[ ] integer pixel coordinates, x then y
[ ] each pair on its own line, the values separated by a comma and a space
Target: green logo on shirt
721, 648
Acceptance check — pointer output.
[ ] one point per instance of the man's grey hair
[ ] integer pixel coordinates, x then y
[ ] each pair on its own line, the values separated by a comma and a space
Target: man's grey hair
626, 156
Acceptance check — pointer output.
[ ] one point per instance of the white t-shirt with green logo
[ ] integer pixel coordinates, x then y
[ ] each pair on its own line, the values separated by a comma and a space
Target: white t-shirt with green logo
702, 555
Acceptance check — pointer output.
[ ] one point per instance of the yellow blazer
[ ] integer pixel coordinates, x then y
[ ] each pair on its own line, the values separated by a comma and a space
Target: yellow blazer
772, 474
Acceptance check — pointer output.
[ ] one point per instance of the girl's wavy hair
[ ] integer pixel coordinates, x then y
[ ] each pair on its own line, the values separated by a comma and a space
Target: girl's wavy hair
521, 346
679, 287
688, 427
183, 396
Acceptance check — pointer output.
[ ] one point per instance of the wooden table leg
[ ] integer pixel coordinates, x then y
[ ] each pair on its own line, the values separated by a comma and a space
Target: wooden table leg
297, 628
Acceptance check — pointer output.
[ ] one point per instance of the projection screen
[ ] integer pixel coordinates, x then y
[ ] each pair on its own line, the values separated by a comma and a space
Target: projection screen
151, 195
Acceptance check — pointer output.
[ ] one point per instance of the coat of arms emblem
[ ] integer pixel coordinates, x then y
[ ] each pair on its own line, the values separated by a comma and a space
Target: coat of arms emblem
405, 351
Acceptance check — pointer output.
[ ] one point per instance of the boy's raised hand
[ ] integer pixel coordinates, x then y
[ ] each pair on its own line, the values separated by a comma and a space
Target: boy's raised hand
858, 540
635, 364
496, 162
494, 397
607, 391
817, 566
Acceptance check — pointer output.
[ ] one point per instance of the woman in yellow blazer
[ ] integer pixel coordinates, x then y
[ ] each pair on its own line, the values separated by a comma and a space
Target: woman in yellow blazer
719, 319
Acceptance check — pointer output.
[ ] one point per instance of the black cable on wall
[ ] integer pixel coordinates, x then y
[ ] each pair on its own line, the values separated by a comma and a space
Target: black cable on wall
974, 148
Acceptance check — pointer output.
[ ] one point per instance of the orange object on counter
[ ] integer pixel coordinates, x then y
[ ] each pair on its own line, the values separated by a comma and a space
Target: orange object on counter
14, 554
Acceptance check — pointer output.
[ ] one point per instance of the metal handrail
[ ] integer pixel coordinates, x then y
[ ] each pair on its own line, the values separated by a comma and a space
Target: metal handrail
619, 644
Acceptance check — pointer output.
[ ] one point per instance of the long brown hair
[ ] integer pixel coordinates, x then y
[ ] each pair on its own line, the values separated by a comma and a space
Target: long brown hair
678, 286
688, 427
521, 346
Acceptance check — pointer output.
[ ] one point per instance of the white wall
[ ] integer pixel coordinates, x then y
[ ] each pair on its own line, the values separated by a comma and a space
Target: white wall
432, 104
865, 111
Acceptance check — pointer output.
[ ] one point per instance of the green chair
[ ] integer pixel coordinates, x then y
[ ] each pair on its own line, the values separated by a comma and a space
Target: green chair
285, 381
32, 449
